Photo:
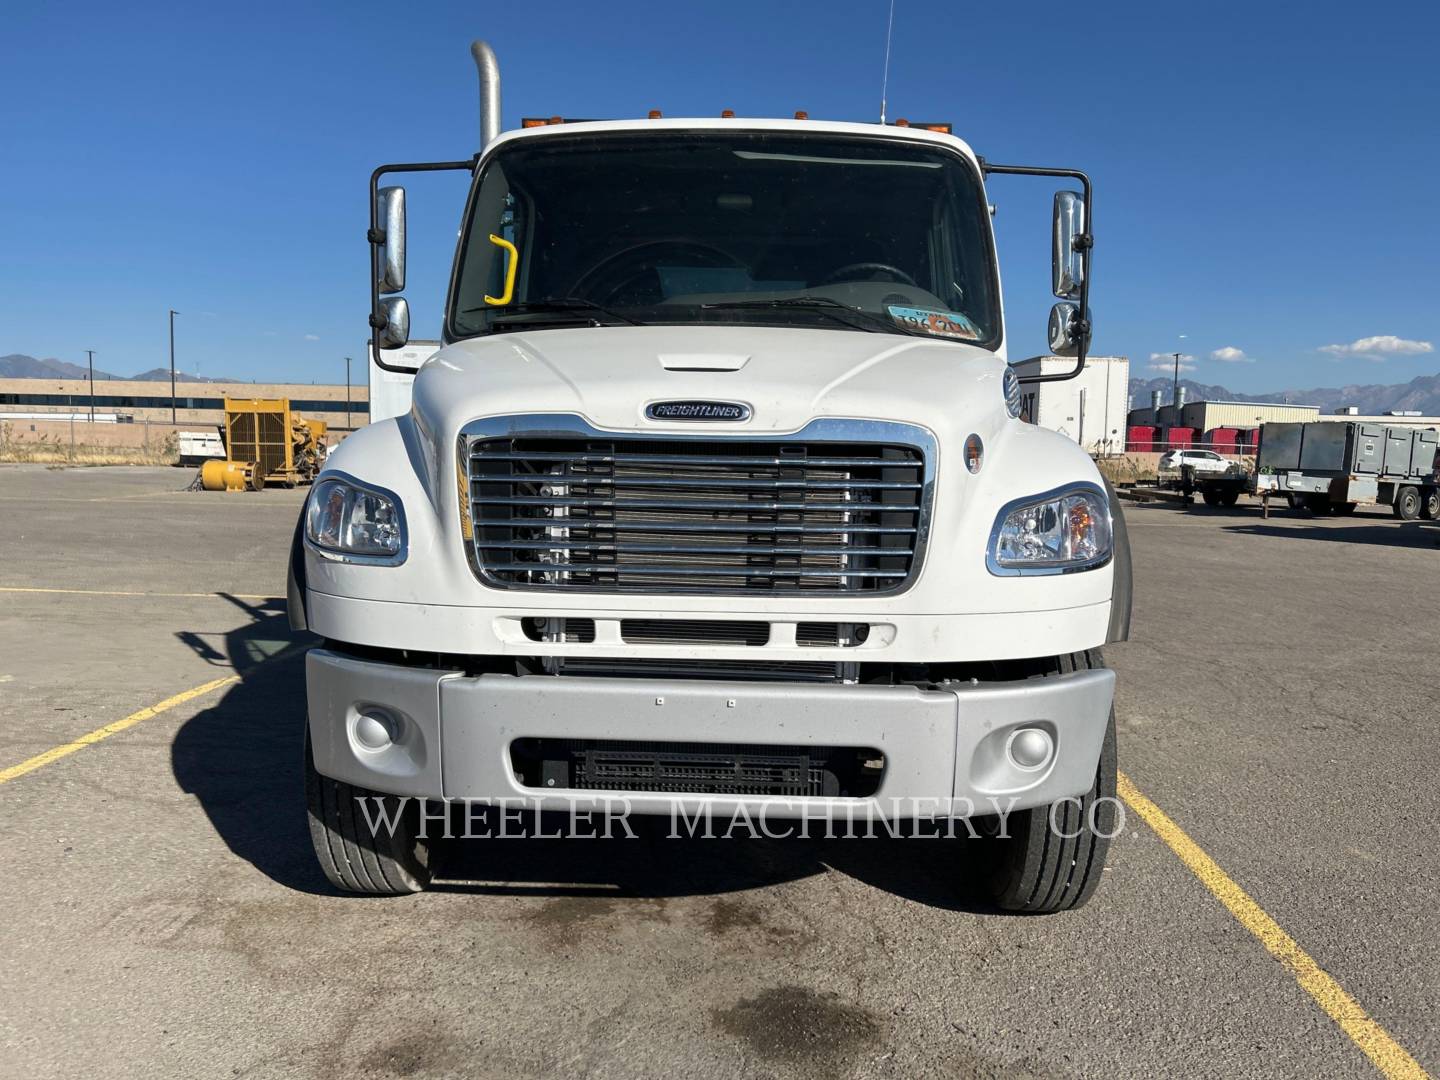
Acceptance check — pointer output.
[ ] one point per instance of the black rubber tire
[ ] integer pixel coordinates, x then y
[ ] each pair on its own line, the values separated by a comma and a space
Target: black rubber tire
1035, 871
1211, 497
1344, 509
1430, 505
1407, 503
1319, 505
351, 857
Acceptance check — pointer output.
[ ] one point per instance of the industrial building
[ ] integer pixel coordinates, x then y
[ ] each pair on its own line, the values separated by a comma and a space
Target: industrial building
1089, 408
1209, 415
126, 401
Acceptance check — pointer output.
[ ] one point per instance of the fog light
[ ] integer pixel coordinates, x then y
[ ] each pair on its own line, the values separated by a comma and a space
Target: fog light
375, 729
1030, 748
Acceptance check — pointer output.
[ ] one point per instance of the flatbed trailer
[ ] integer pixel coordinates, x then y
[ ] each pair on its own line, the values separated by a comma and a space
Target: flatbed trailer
1336, 466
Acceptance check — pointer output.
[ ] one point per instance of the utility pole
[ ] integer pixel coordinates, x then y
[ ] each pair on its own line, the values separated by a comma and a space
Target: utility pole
173, 313
348, 423
1175, 394
91, 354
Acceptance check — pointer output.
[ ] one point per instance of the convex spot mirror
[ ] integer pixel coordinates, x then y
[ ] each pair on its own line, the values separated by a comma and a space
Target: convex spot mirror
390, 219
1064, 329
395, 312
1067, 263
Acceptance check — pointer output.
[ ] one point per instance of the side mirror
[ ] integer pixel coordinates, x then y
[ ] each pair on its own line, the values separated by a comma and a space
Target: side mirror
1064, 330
395, 313
390, 214
1067, 264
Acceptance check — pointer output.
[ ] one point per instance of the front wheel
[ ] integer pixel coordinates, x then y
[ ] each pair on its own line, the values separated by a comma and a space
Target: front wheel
1052, 856
365, 842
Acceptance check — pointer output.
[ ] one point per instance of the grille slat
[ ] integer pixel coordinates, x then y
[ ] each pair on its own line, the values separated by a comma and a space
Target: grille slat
670, 515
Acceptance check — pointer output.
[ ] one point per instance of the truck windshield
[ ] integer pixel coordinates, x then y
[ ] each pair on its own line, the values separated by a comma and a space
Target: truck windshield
829, 231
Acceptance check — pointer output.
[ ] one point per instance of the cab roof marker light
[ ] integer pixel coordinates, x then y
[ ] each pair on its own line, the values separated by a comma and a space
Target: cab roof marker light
654, 114
801, 114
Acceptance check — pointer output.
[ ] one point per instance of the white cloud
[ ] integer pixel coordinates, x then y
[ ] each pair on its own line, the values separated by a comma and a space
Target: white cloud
1229, 354
1164, 361
312, 337
1378, 347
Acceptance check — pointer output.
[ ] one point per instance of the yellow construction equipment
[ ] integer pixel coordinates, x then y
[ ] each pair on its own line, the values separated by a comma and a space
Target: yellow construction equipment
289, 450
217, 475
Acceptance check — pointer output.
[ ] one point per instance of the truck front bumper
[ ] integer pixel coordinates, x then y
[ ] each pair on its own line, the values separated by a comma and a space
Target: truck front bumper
946, 752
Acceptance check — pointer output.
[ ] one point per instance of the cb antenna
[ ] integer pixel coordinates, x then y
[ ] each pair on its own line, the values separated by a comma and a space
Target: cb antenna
885, 79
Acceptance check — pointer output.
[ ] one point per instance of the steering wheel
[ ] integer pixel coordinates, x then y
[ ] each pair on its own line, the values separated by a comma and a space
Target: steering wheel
643, 257
844, 272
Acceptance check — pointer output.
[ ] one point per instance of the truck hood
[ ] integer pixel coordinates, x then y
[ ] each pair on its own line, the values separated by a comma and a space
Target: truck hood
787, 376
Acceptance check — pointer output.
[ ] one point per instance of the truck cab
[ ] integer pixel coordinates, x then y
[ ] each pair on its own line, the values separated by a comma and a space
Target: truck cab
714, 502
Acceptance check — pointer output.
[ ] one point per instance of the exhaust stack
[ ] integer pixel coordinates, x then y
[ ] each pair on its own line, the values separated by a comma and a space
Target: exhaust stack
489, 69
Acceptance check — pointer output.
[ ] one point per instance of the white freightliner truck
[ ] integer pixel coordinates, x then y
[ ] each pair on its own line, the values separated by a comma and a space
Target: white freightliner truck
715, 500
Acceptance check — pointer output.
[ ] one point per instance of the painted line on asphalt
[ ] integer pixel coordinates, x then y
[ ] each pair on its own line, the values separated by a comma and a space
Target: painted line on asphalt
39, 761
1387, 1055
122, 592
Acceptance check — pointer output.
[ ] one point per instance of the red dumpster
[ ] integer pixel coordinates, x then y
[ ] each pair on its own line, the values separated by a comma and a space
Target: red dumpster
1140, 438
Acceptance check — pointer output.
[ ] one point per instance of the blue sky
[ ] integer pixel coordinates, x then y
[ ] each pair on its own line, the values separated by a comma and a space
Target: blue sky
1265, 173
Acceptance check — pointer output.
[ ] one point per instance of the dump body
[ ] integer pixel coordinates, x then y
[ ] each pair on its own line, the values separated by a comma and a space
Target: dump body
1347, 462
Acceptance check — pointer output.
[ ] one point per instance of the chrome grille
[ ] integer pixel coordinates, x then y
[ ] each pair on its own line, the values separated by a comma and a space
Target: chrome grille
602, 512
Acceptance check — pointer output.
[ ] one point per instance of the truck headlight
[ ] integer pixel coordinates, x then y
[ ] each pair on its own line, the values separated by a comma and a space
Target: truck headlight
1060, 532
348, 520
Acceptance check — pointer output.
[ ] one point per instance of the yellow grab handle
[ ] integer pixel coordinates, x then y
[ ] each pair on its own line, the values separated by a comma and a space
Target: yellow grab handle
498, 301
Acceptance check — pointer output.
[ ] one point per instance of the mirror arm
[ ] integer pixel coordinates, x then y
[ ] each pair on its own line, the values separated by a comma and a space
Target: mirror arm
376, 237
1084, 242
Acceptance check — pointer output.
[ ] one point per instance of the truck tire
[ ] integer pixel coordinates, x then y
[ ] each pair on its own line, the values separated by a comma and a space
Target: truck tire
1407, 503
1430, 505
1035, 870
1211, 497
1319, 505
351, 857
1229, 498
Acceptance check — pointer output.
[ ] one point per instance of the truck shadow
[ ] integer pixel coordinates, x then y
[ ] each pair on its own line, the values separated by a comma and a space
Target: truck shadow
1394, 534
242, 761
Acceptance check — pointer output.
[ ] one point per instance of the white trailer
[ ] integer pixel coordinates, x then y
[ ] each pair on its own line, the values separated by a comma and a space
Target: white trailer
1090, 409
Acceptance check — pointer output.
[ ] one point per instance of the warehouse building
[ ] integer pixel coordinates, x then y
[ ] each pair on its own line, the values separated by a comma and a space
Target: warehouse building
1090, 409
1209, 415
196, 403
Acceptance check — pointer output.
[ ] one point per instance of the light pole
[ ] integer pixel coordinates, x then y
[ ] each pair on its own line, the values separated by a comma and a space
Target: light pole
91, 354
349, 425
173, 313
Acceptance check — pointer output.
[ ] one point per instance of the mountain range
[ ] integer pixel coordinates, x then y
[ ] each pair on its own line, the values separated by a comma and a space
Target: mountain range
20, 366
1421, 394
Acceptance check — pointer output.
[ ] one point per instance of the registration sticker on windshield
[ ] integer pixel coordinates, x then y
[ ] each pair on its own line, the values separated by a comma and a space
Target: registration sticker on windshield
940, 323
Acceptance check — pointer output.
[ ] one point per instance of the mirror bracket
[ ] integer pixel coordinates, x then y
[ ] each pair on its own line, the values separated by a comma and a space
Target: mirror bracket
376, 236
1082, 242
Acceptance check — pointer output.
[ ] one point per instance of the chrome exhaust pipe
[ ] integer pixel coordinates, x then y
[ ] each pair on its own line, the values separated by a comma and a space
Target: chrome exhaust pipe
489, 69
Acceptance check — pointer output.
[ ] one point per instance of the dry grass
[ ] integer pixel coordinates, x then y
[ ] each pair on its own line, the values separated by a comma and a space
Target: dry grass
48, 451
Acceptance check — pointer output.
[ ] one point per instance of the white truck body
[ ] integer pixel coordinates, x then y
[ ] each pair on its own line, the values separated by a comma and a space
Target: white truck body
510, 613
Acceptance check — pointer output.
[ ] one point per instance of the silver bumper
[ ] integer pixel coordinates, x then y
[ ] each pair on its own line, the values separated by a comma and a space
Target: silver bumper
945, 750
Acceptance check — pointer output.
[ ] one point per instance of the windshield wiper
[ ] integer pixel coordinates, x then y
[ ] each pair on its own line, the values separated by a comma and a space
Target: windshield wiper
821, 305
554, 304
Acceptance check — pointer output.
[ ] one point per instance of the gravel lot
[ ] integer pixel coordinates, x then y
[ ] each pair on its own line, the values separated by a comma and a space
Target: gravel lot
164, 917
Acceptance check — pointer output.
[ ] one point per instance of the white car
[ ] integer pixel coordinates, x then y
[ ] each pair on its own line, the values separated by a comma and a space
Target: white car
1202, 461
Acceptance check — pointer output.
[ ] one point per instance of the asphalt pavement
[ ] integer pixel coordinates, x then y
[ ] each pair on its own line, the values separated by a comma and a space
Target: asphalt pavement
164, 916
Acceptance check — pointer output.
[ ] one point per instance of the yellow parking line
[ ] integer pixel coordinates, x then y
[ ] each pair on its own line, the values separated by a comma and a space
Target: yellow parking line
1385, 1053
123, 592
39, 761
